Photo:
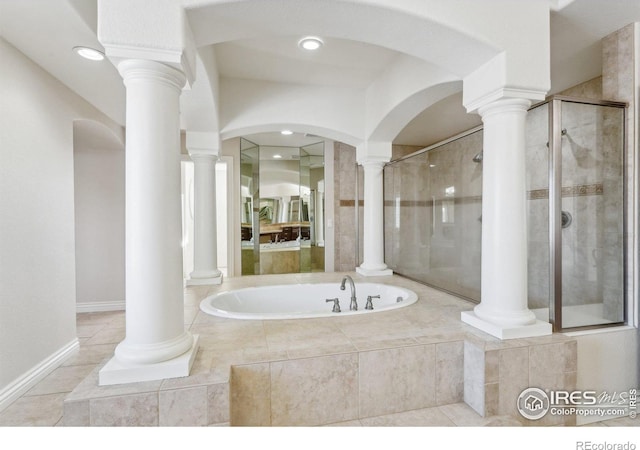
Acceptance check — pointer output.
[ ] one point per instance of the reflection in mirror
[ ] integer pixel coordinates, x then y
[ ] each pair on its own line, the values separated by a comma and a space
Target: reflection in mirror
249, 183
282, 208
305, 193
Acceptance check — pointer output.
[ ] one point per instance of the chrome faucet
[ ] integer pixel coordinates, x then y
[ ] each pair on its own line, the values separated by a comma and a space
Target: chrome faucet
336, 304
369, 304
353, 306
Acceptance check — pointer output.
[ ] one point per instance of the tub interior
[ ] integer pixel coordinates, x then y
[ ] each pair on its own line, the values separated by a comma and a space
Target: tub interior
308, 300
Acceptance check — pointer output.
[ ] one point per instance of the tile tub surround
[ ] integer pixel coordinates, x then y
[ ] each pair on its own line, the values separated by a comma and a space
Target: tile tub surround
402, 367
495, 373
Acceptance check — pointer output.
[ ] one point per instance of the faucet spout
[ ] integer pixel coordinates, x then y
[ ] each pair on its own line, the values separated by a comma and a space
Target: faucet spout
353, 306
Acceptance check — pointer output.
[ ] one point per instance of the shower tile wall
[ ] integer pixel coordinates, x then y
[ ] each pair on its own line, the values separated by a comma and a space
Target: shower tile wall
537, 173
619, 82
592, 194
591, 89
345, 222
398, 151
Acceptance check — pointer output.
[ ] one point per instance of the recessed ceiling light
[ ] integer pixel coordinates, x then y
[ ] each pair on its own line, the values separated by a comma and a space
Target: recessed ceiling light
276, 156
310, 43
89, 53
286, 132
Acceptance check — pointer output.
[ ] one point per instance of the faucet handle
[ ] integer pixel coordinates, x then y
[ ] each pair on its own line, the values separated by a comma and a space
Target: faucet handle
336, 304
369, 304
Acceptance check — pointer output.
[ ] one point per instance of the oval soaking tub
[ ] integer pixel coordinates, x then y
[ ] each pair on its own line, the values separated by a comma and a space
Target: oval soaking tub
298, 301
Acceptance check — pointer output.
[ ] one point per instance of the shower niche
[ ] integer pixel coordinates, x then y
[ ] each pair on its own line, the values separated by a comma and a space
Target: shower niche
576, 213
282, 192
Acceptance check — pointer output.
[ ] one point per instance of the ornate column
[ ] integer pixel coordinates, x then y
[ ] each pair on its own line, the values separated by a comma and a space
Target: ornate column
373, 156
156, 345
205, 260
503, 311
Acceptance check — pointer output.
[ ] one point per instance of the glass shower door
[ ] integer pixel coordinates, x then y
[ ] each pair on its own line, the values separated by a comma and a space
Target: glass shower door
590, 216
433, 215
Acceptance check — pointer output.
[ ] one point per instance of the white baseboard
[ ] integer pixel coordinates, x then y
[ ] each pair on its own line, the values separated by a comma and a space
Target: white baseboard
22, 384
100, 306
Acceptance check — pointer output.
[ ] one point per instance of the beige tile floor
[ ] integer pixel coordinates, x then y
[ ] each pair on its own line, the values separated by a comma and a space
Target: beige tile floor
99, 333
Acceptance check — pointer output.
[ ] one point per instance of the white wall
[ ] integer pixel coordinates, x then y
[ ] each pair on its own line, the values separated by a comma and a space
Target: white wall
607, 361
99, 218
37, 250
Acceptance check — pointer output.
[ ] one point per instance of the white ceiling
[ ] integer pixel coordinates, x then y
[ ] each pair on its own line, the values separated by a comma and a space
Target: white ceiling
276, 139
338, 62
46, 31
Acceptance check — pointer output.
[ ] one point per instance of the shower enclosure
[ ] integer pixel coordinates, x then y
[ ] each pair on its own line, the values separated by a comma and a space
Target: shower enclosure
433, 209
576, 213
576, 198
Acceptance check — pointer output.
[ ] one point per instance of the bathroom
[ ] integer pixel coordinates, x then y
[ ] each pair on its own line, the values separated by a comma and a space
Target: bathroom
446, 359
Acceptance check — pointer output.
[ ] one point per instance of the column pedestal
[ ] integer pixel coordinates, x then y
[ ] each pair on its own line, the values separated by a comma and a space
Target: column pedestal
156, 345
503, 311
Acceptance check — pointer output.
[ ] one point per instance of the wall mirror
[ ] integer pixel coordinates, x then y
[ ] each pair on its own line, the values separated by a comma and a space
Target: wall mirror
282, 195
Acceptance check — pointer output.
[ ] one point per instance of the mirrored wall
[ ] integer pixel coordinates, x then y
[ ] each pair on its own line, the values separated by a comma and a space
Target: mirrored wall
282, 191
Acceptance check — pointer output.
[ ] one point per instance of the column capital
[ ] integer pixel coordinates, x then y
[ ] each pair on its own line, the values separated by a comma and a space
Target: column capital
504, 94
505, 76
504, 105
373, 165
144, 69
148, 29
200, 154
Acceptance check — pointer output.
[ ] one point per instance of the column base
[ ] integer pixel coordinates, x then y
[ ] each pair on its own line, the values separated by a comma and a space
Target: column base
204, 277
116, 372
204, 281
374, 273
539, 328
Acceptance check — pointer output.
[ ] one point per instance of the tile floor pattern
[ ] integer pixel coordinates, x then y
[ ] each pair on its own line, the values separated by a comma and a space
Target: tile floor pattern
99, 333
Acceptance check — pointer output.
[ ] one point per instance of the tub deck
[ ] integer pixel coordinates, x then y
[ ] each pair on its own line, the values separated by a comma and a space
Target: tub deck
416, 360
